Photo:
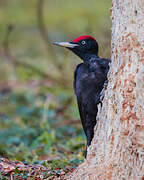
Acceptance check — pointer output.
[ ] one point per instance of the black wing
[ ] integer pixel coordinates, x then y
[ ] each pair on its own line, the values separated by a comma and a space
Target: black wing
82, 113
75, 75
79, 99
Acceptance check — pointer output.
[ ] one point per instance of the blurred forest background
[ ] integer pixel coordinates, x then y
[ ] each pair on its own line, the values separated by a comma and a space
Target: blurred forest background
39, 119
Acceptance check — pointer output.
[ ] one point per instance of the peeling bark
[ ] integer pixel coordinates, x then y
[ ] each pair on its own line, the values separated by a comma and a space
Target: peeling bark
117, 150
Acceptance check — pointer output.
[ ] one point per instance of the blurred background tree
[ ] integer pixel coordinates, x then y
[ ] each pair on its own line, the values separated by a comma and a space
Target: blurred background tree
39, 119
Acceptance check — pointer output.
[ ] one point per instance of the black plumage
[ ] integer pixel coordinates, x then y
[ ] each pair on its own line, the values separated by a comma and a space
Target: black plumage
90, 79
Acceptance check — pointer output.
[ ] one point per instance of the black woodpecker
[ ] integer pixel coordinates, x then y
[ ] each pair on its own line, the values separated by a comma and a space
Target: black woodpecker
90, 80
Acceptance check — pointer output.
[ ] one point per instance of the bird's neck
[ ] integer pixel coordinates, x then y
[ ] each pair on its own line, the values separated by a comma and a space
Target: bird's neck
90, 60
88, 57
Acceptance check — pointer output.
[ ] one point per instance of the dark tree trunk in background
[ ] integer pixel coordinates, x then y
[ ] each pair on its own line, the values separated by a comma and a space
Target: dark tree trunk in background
117, 150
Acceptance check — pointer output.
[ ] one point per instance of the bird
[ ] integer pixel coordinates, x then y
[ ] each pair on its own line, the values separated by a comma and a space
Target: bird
90, 80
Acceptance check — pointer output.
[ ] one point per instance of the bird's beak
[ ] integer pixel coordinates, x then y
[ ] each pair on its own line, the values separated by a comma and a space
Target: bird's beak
66, 44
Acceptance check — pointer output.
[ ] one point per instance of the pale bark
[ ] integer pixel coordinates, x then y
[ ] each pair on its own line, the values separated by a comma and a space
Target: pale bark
117, 150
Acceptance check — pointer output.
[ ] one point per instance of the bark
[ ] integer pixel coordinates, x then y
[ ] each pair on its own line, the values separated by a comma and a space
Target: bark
117, 150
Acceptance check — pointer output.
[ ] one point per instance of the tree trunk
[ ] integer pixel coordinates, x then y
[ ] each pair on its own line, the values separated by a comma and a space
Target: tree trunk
117, 150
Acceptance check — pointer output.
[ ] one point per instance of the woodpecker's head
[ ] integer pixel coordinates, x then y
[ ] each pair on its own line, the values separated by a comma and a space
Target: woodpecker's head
81, 46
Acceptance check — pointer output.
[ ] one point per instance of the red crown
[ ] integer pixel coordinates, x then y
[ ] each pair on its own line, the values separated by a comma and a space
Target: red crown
83, 37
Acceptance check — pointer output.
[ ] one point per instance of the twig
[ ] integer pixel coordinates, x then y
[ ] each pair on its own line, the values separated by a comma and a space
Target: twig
44, 34
11, 59
6, 40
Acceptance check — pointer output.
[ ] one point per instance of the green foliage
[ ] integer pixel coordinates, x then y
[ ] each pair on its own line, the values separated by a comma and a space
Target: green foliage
32, 127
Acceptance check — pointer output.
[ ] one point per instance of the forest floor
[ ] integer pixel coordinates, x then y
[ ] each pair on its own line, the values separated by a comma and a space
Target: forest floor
16, 170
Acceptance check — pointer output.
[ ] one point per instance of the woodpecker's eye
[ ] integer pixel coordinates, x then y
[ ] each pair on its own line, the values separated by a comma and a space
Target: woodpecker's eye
83, 42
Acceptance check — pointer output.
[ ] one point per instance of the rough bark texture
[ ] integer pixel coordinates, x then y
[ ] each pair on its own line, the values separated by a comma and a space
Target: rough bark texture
117, 150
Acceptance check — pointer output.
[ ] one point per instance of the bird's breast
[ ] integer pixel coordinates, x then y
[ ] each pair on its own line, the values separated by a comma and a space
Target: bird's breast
87, 83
